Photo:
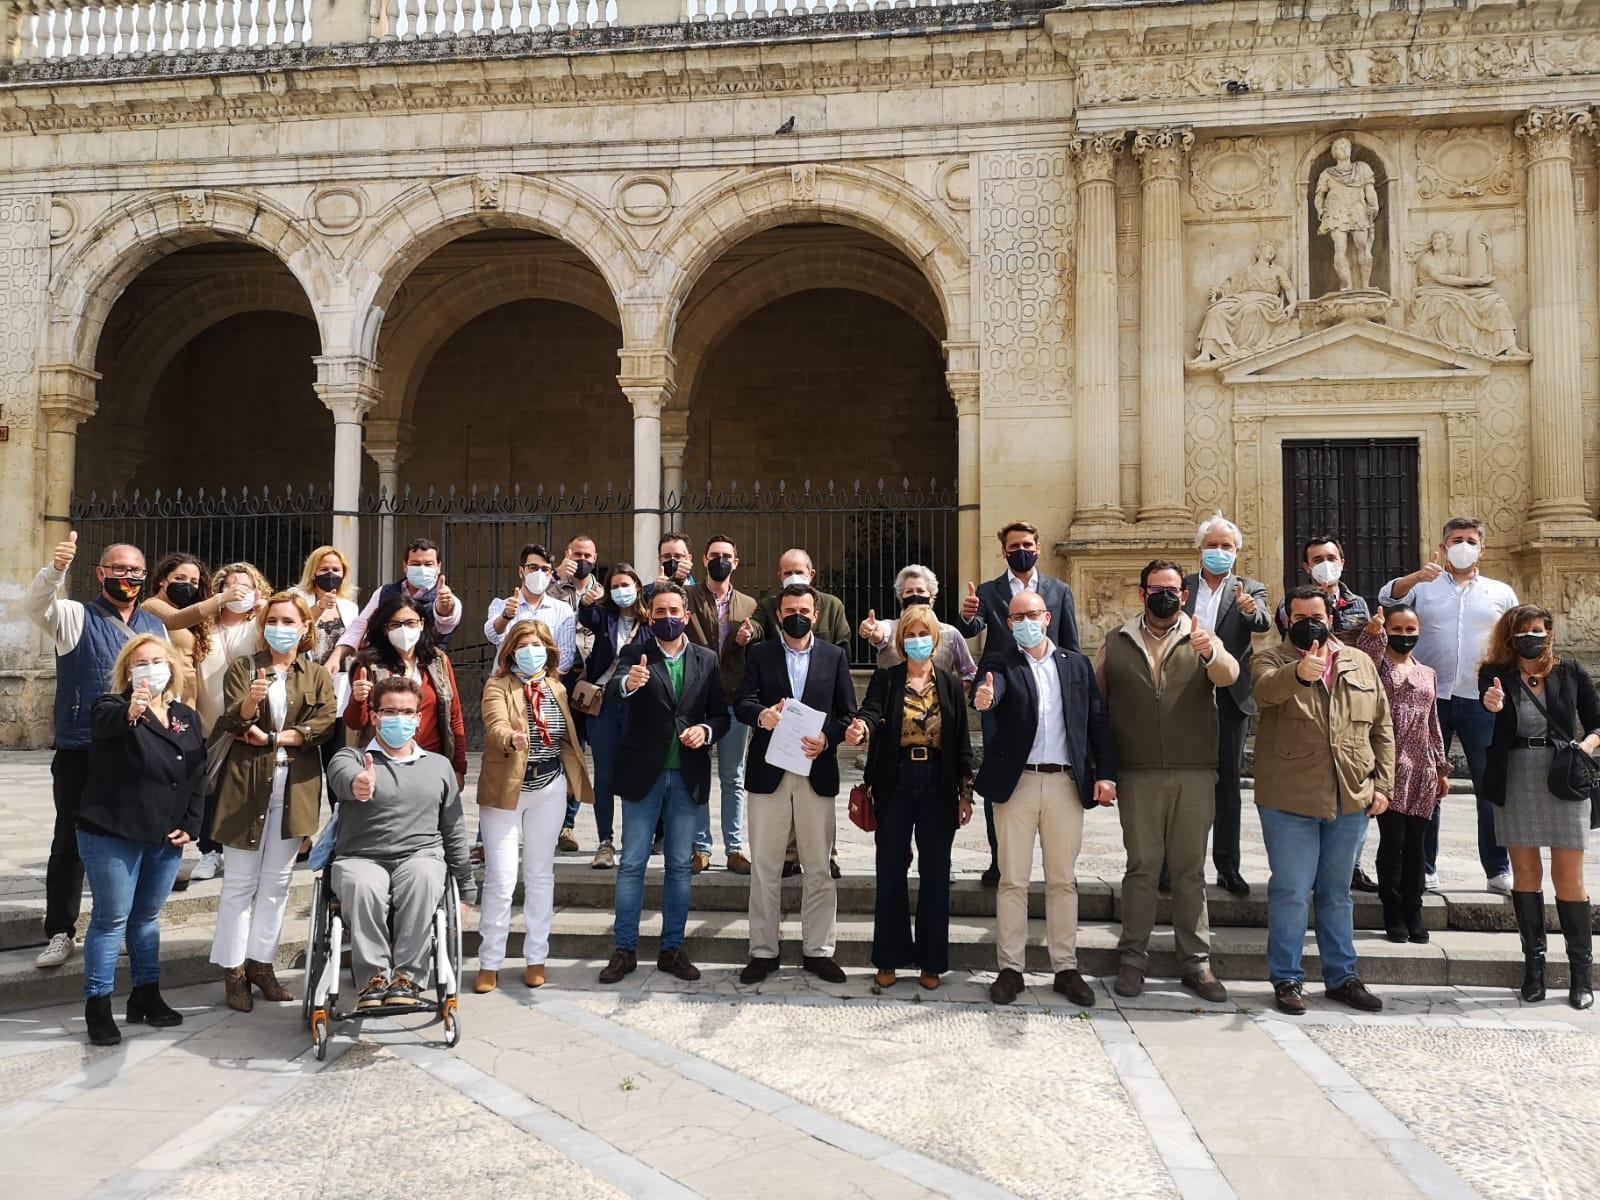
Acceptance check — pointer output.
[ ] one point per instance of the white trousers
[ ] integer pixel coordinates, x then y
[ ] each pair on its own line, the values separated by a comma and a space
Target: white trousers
535, 824
255, 893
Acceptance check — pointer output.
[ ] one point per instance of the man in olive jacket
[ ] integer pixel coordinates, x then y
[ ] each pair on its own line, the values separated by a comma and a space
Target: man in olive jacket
1324, 764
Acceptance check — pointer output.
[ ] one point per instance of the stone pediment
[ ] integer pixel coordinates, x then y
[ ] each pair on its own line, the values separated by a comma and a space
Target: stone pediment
1355, 351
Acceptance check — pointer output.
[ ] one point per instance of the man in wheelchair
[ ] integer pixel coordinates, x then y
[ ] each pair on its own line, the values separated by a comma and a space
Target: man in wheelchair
400, 829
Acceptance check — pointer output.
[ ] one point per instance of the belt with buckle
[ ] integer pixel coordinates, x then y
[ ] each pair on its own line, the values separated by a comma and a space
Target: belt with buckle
1047, 768
1523, 743
921, 753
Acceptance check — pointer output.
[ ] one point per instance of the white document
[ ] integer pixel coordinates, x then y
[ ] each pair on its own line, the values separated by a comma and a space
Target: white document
796, 721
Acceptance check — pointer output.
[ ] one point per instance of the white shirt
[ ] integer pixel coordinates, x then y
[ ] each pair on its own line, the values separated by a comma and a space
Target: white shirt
1456, 623
376, 746
1050, 736
278, 706
557, 616
1017, 586
1208, 603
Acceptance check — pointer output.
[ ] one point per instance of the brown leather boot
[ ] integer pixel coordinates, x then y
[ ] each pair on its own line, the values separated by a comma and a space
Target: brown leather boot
237, 989
266, 980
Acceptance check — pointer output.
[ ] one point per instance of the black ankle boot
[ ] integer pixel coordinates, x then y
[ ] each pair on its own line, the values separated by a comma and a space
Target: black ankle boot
1577, 928
145, 1004
1529, 910
1394, 925
103, 1029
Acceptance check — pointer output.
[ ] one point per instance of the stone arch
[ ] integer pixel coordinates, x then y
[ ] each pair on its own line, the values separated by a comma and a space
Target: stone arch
134, 234
430, 215
872, 201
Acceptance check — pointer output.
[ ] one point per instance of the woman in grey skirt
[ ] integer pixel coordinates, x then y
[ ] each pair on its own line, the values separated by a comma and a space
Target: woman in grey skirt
1521, 681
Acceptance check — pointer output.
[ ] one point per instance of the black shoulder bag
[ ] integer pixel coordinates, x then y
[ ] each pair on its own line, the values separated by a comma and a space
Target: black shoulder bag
1574, 775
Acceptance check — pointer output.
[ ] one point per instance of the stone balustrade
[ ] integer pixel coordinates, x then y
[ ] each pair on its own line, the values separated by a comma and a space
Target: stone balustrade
36, 30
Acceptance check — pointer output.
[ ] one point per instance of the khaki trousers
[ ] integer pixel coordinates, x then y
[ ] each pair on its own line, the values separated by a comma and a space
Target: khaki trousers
812, 816
1165, 814
1046, 808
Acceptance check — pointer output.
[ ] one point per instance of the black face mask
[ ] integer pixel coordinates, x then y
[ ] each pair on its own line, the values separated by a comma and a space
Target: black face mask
796, 625
720, 567
1402, 643
667, 629
1162, 605
328, 581
908, 601
182, 595
583, 570
122, 591
1530, 645
1022, 561
1305, 634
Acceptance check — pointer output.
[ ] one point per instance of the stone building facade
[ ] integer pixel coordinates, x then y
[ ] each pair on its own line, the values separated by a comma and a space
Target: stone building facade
1109, 267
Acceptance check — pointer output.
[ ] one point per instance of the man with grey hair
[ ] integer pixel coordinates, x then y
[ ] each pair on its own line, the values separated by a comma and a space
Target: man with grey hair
1233, 609
917, 584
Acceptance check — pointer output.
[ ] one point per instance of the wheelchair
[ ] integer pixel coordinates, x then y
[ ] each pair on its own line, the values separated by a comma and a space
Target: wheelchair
325, 945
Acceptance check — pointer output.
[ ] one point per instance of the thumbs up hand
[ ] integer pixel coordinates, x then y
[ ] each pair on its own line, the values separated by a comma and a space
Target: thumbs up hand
1431, 569
65, 552
445, 602
1201, 641
870, 630
1313, 665
1245, 601
1375, 623
138, 703
969, 602
360, 685
746, 632
1495, 698
983, 698
770, 717
856, 732
519, 736
251, 704
638, 676
366, 781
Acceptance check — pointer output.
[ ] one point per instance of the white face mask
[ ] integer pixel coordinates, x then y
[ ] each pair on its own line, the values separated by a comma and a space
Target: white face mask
405, 640
1463, 555
1326, 572
244, 604
537, 582
797, 577
154, 676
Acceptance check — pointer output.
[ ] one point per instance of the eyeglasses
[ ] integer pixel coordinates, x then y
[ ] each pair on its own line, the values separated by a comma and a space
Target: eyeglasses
1019, 618
396, 712
403, 625
135, 574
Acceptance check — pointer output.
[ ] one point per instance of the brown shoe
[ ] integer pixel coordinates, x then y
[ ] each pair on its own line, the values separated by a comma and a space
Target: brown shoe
266, 980
486, 981
623, 962
738, 863
885, 979
237, 988
375, 993
1205, 985
1290, 999
699, 861
533, 975
928, 980
403, 993
1130, 981
1007, 986
1354, 993
1074, 987
675, 962
567, 842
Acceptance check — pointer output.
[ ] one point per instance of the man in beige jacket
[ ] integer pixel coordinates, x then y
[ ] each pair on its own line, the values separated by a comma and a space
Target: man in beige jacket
1324, 765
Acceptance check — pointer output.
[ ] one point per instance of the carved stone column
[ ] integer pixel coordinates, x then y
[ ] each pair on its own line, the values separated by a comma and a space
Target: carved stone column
674, 448
66, 401
348, 385
961, 377
1161, 154
647, 382
388, 444
1556, 404
1095, 416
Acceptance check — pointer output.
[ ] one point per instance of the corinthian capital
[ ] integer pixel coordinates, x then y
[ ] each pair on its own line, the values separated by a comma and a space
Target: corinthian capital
1095, 155
1161, 152
1552, 132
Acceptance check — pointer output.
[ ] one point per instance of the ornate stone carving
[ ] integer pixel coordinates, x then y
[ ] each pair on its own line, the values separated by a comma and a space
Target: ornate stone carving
1454, 301
486, 189
1094, 155
1347, 211
954, 184
1580, 608
803, 181
24, 238
1234, 174
1252, 309
1161, 151
643, 199
63, 219
336, 210
1462, 163
192, 205
1549, 132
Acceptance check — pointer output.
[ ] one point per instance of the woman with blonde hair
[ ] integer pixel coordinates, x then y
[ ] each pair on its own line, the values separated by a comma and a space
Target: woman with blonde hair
142, 803
531, 758
278, 708
328, 588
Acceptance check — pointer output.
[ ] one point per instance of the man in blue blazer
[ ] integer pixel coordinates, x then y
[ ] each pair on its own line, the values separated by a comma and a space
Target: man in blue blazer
795, 666
1049, 758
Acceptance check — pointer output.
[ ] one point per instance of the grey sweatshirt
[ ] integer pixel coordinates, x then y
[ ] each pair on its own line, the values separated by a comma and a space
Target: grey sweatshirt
415, 807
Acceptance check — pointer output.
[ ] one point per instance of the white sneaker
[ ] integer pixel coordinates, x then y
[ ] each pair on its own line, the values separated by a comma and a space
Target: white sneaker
57, 952
605, 857
209, 866
1430, 881
1500, 883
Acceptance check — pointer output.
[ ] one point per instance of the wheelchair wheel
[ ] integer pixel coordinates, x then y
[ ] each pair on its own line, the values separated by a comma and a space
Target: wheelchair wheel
451, 948
316, 948
451, 1014
321, 1031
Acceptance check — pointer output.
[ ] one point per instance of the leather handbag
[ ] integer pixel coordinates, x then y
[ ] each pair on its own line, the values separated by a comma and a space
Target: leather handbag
587, 698
862, 815
1574, 775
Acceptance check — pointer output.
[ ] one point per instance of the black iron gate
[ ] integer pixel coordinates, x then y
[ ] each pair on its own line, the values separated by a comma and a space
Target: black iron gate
1361, 492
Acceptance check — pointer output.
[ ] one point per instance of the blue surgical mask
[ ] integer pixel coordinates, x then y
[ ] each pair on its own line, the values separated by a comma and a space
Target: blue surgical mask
397, 731
624, 597
422, 578
531, 659
1218, 562
1028, 633
919, 649
282, 638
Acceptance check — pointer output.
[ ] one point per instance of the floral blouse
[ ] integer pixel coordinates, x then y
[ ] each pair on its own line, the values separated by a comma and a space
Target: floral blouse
1419, 757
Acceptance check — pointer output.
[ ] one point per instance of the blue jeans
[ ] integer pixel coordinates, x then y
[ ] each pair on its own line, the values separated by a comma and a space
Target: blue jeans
1310, 857
670, 801
1466, 717
730, 774
605, 743
129, 882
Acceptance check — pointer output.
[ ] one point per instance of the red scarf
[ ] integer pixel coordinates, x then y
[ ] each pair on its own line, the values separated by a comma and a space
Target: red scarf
534, 692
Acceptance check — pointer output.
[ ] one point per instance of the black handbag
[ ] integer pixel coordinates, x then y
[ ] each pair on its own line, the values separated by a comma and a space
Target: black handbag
1574, 775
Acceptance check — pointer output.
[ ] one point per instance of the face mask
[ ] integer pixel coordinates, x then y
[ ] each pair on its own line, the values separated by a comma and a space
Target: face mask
624, 597
537, 582
422, 578
1218, 562
244, 604
1326, 572
1530, 645
667, 629
719, 568
328, 581
182, 595
583, 570
1162, 605
1402, 643
908, 601
404, 640
799, 577
531, 659
397, 731
919, 649
796, 625
154, 676
1462, 555
1304, 634
1028, 634
122, 590
1022, 561
282, 638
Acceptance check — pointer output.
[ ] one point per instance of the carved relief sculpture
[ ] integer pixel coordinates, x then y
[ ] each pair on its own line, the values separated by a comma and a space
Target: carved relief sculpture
1455, 301
1347, 207
1250, 310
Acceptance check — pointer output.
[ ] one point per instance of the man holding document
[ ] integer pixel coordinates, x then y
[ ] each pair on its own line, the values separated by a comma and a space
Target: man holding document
798, 699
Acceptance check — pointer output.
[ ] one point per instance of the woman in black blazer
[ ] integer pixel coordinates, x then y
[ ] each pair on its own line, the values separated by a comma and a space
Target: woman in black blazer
919, 767
141, 806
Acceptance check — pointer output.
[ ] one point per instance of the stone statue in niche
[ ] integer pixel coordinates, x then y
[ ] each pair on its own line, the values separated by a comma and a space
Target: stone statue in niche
1250, 310
1455, 301
1347, 211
